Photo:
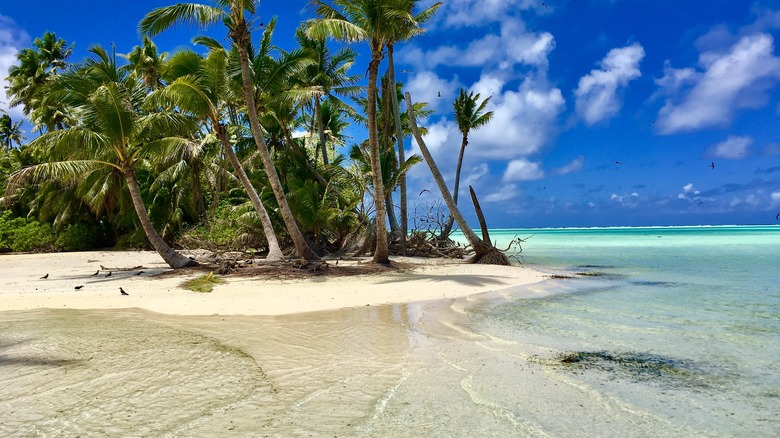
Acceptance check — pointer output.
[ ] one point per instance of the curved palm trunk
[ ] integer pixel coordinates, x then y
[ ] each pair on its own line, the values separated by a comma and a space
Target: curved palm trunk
381, 254
173, 258
302, 249
484, 251
321, 129
274, 251
448, 227
399, 136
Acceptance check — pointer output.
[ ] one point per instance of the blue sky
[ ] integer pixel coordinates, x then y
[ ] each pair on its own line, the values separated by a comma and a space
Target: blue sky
666, 88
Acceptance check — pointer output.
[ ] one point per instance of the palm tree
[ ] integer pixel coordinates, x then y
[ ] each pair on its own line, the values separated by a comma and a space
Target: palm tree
113, 134
234, 13
146, 64
327, 78
484, 252
469, 115
10, 132
402, 31
204, 95
364, 20
38, 67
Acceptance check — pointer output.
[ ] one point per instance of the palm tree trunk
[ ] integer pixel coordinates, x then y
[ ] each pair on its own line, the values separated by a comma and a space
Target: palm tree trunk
302, 249
171, 257
484, 251
456, 188
321, 129
399, 136
274, 251
381, 254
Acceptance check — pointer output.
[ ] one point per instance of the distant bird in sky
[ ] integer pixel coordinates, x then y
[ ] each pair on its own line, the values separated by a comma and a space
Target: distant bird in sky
712, 165
618, 163
45, 276
406, 71
122, 291
96, 273
109, 274
439, 93
778, 216
78, 287
423, 191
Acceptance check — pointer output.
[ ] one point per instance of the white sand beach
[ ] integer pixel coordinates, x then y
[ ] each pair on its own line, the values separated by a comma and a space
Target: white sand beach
430, 279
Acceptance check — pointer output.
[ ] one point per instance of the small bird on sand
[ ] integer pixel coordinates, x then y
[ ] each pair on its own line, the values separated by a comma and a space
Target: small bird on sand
96, 273
122, 291
139, 272
78, 287
45, 276
109, 274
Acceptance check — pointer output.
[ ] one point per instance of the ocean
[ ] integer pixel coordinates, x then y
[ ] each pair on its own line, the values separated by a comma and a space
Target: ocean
638, 332
681, 324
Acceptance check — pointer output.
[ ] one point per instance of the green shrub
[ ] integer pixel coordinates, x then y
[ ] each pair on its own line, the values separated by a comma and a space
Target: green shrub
77, 237
33, 237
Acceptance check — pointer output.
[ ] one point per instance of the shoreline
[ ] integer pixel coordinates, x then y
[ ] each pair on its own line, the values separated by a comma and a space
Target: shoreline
428, 280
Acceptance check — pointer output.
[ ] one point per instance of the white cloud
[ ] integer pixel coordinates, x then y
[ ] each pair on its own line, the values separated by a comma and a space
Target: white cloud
11, 40
733, 148
426, 86
522, 170
688, 187
523, 121
597, 92
504, 193
775, 197
458, 13
736, 79
574, 166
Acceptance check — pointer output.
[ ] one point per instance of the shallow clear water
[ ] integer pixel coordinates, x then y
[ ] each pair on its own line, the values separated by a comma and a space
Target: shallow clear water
672, 336
679, 318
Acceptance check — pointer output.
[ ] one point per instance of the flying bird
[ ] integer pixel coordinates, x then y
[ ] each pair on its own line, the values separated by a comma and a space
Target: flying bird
78, 287
96, 273
122, 291
423, 191
439, 93
778, 216
618, 163
45, 276
712, 164
109, 274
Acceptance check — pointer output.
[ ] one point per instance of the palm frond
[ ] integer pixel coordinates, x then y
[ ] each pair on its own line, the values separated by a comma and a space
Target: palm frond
192, 14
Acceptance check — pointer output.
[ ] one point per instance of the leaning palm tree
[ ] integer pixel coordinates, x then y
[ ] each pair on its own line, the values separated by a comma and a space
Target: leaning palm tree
205, 96
113, 134
233, 13
484, 252
469, 115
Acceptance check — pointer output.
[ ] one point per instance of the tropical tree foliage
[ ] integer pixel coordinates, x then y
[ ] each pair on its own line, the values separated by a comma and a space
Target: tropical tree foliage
154, 145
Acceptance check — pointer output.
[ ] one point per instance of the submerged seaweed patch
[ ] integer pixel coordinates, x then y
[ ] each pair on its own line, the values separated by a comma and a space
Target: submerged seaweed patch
642, 366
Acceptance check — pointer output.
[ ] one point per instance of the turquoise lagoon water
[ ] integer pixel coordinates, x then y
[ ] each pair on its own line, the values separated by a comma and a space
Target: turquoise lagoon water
681, 322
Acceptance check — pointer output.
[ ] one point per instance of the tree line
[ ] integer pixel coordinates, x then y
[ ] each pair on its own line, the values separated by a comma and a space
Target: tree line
153, 146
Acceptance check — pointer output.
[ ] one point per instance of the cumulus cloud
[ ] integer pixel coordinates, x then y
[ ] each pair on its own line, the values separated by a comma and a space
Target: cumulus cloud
504, 193
775, 197
522, 170
733, 148
513, 44
596, 95
737, 78
12, 38
458, 13
574, 166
